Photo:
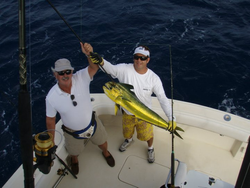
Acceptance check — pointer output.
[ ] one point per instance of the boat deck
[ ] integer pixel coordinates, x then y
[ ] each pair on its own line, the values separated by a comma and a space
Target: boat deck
203, 149
132, 168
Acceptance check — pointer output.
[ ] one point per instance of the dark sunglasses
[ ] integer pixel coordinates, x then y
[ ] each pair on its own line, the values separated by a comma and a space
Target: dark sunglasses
68, 72
72, 98
143, 58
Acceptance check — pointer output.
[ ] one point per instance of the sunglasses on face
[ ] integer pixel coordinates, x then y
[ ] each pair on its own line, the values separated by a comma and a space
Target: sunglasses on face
61, 73
143, 58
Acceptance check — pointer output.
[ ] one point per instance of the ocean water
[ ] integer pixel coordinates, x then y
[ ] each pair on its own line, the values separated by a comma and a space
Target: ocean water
209, 42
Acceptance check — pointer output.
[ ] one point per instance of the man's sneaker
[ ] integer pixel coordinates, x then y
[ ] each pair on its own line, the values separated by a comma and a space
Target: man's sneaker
151, 155
124, 145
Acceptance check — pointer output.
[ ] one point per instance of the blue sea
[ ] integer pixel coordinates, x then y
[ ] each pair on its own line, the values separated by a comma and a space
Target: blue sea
209, 42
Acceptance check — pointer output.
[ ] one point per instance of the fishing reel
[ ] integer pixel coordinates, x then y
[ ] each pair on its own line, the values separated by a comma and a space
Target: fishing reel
45, 151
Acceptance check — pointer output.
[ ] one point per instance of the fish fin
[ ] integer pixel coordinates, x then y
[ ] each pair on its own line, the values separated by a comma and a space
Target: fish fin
179, 129
128, 86
126, 99
117, 107
177, 134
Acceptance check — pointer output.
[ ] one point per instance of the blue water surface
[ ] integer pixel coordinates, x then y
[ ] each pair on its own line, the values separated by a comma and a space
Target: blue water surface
209, 42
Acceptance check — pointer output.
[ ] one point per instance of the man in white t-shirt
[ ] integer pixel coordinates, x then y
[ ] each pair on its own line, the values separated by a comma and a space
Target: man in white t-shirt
145, 83
70, 97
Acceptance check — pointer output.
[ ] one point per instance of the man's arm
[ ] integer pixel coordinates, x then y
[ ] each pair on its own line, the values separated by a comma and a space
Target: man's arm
51, 124
92, 68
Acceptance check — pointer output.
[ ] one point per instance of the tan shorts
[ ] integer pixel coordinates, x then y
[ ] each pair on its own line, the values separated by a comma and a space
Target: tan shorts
144, 130
75, 146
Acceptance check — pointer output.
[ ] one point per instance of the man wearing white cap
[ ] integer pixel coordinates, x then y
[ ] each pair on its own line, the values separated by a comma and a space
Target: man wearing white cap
145, 83
70, 97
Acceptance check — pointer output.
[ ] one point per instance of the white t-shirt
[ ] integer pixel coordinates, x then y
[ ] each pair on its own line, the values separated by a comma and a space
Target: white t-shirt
74, 117
144, 84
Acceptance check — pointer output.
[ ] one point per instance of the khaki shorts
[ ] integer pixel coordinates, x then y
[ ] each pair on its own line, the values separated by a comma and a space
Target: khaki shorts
75, 146
144, 130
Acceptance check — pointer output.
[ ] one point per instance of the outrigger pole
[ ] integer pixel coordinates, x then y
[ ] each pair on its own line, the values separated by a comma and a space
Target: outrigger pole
24, 107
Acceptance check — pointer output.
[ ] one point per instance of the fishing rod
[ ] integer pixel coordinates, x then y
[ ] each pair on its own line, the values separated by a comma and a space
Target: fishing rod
172, 105
172, 183
76, 35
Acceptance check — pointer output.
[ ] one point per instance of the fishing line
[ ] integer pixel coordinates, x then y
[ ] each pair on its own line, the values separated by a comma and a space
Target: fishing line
4, 95
92, 42
76, 35
61, 136
118, 43
172, 88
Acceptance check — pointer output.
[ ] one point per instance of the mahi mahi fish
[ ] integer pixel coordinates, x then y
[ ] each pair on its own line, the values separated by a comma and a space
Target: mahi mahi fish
122, 95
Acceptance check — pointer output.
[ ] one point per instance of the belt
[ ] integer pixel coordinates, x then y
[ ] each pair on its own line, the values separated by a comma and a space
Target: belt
86, 133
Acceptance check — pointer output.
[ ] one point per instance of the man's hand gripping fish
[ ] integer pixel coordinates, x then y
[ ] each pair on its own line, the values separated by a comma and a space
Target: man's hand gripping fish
122, 95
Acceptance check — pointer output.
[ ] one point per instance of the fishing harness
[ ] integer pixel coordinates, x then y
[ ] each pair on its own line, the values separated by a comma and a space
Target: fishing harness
85, 133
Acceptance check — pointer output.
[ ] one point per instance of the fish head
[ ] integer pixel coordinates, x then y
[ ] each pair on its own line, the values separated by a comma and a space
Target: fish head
112, 90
